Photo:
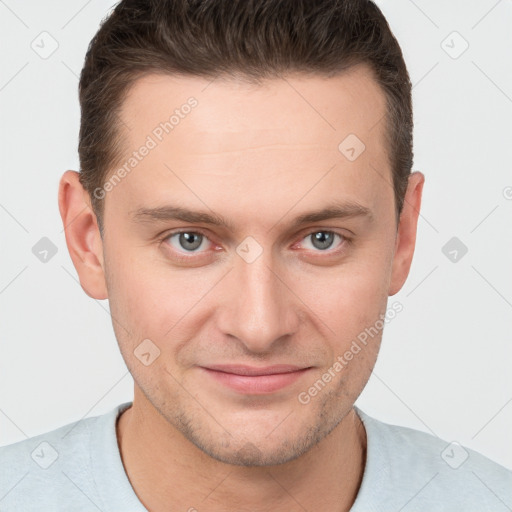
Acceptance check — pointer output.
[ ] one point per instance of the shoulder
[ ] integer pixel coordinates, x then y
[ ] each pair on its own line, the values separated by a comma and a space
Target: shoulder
405, 464
52, 468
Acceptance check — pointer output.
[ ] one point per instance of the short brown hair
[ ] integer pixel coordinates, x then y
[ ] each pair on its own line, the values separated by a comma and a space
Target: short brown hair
252, 39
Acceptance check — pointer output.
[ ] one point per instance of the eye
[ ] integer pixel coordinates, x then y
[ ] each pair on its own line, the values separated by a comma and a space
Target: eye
323, 240
188, 241
192, 242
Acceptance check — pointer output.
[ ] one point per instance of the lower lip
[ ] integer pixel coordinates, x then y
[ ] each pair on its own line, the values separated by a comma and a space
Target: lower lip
256, 384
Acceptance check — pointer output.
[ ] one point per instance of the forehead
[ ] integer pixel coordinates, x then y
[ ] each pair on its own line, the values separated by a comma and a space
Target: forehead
329, 107
280, 137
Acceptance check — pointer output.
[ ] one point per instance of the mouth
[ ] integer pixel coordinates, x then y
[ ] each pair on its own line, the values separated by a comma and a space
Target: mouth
255, 380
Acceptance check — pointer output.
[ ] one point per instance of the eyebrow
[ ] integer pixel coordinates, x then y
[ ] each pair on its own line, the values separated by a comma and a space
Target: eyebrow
167, 213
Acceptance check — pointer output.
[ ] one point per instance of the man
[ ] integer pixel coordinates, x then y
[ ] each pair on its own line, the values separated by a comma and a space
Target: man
246, 204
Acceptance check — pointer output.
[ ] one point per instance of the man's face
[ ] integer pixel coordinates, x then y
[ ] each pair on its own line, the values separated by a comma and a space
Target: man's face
264, 290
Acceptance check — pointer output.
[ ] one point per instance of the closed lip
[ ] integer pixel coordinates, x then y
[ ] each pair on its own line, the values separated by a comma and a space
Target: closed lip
254, 371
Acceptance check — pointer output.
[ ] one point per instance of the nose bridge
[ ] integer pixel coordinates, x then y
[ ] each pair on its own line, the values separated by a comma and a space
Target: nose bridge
261, 309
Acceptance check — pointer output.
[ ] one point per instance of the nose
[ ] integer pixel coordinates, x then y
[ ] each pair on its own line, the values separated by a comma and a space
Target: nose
260, 309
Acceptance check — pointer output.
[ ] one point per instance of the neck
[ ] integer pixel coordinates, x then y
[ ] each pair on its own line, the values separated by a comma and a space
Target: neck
165, 469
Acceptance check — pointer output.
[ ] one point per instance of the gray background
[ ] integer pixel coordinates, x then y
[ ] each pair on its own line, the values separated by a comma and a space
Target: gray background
445, 361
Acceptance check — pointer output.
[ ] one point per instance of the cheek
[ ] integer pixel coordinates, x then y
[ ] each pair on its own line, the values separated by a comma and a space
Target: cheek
347, 304
349, 297
154, 301
139, 298
144, 309
149, 306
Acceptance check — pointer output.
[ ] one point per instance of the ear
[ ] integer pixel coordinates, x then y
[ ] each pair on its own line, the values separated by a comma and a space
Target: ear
82, 235
406, 235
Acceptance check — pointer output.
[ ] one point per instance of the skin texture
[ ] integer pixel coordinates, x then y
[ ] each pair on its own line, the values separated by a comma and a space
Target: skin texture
259, 156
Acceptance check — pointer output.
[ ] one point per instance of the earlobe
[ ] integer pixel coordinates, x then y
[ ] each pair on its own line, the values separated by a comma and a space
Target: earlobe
406, 235
82, 235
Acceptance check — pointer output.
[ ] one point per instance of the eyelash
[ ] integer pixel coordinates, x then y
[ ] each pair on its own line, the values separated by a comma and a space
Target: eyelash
330, 252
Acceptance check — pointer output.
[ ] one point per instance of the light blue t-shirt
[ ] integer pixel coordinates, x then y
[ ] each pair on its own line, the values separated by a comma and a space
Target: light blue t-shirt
78, 467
